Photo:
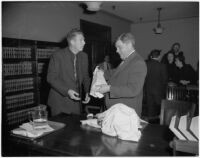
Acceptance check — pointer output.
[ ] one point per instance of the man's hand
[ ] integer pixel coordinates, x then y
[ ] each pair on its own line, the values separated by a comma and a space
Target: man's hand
87, 99
100, 117
103, 88
73, 94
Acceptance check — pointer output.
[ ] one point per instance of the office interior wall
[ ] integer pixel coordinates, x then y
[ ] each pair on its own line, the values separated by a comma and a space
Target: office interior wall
50, 21
185, 31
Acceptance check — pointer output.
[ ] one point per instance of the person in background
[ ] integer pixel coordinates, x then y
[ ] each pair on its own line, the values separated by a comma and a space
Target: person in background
171, 67
185, 74
175, 49
106, 64
67, 72
125, 83
197, 74
155, 84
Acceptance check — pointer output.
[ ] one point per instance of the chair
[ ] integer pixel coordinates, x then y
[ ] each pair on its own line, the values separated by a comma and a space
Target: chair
90, 108
95, 106
172, 107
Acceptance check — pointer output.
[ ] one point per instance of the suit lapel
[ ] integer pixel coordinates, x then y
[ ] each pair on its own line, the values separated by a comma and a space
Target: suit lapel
126, 62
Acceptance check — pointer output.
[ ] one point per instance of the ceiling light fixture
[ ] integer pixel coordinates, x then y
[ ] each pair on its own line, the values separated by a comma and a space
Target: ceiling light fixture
93, 6
158, 29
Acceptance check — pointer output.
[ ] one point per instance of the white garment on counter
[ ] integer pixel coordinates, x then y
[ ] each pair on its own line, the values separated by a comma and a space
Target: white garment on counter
98, 79
119, 120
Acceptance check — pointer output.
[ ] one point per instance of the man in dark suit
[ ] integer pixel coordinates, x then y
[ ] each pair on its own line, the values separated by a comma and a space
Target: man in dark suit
155, 84
67, 72
125, 84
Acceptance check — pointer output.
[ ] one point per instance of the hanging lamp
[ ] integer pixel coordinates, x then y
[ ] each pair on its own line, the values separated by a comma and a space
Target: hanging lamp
158, 29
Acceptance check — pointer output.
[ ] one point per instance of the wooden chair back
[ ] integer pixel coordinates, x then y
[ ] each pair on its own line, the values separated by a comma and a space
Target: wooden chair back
176, 93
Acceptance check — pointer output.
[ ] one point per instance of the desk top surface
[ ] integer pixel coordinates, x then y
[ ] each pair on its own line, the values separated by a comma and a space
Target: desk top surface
77, 140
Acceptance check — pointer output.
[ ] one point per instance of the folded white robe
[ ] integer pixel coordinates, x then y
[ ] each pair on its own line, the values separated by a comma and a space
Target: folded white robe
98, 79
121, 121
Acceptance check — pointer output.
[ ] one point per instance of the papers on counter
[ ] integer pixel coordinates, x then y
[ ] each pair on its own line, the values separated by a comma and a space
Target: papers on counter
91, 122
28, 130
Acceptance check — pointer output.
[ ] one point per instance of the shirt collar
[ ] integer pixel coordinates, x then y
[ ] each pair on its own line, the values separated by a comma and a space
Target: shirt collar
130, 54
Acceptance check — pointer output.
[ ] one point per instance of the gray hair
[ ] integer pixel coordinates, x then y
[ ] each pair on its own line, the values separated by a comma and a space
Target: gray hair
127, 37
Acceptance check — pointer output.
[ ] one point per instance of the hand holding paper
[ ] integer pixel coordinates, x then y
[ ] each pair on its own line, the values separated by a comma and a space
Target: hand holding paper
103, 88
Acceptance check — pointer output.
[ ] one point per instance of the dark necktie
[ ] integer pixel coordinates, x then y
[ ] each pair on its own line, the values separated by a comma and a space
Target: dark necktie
76, 75
75, 67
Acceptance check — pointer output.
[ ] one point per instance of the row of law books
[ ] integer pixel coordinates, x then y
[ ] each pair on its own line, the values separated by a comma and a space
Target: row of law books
16, 53
19, 117
44, 53
185, 128
40, 67
20, 100
17, 68
18, 84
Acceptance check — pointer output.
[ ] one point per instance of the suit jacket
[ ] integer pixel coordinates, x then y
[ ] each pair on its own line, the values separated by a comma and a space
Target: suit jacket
127, 83
156, 79
61, 78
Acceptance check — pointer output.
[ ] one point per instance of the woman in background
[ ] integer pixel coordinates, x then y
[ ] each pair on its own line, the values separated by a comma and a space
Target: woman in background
185, 74
171, 67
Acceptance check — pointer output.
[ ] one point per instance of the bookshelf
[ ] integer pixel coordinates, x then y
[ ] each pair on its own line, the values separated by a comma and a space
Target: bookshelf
24, 86
43, 51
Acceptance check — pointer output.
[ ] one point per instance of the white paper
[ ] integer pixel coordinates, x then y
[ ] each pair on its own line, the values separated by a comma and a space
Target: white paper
91, 122
174, 130
194, 126
27, 129
98, 79
183, 128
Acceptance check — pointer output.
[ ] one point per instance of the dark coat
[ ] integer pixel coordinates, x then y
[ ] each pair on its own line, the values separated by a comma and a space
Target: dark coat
185, 73
127, 83
61, 78
156, 79
171, 71
155, 86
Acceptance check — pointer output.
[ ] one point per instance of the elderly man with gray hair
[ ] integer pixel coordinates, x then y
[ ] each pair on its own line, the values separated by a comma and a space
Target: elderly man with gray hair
125, 83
